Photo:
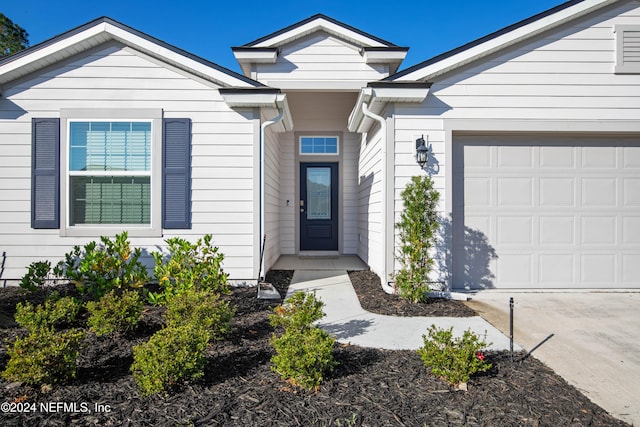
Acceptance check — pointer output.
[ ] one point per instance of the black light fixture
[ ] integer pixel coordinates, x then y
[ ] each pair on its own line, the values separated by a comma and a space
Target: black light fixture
422, 152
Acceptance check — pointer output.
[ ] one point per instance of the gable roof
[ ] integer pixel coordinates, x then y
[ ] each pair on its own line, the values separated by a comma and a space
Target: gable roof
315, 23
104, 29
499, 40
373, 49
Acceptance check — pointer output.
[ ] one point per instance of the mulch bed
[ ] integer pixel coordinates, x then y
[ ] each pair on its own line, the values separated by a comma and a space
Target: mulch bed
370, 387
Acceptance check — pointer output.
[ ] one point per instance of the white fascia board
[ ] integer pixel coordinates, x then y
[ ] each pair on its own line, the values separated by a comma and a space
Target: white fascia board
508, 39
383, 56
376, 98
50, 50
105, 31
257, 56
320, 24
270, 101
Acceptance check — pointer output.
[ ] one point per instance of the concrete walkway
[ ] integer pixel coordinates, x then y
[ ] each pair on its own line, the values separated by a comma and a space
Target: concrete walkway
349, 323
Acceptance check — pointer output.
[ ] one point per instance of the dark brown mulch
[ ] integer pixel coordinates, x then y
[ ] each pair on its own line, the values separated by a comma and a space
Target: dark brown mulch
374, 299
370, 387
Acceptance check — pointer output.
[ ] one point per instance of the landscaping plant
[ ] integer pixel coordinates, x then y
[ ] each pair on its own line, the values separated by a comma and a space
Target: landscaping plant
45, 356
453, 359
204, 307
417, 229
115, 312
55, 311
303, 351
97, 268
37, 275
172, 355
188, 265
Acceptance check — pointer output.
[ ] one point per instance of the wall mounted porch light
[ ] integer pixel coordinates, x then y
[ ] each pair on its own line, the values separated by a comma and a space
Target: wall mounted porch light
422, 152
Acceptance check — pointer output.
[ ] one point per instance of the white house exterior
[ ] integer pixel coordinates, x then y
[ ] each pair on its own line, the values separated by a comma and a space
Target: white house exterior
534, 135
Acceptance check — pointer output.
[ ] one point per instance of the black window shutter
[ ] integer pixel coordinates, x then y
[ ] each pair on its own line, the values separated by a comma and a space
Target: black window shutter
176, 173
45, 173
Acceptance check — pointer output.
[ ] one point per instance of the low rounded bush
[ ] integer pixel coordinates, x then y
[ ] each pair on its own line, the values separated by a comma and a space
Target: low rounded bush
115, 312
172, 355
203, 308
54, 312
44, 357
303, 351
453, 359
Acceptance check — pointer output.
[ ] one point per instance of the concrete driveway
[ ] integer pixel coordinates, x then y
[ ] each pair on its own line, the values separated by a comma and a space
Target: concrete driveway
591, 339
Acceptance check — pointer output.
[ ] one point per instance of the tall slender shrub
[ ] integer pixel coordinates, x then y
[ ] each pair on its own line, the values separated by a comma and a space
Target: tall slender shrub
417, 228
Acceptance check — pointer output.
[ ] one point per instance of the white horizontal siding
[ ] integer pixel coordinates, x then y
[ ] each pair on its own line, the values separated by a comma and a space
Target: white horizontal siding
566, 75
115, 77
272, 202
319, 58
370, 204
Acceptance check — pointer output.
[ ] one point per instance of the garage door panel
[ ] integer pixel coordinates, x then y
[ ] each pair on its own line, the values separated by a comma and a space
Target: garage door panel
631, 157
631, 192
514, 230
515, 270
557, 230
552, 212
477, 191
560, 157
631, 231
598, 230
515, 192
599, 157
557, 269
631, 270
477, 156
557, 192
599, 192
515, 157
598, 268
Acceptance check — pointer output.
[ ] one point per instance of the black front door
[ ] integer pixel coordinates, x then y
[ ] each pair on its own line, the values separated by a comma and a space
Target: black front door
318, 206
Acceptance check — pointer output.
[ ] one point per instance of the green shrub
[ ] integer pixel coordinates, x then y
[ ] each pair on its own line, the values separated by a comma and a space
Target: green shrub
172, 355
453, 359
298, 312
54, 312
96, 269
417, 234
303, 351
201, 307
188, 265
44, 357
115, 312
37, 275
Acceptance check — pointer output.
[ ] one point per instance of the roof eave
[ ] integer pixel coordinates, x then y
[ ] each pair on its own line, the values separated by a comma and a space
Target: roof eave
104, 29
499, 40
377, 94
268, 99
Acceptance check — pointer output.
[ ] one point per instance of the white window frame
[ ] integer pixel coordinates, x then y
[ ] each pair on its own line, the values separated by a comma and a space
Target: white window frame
319, 154
620, 66
153, 116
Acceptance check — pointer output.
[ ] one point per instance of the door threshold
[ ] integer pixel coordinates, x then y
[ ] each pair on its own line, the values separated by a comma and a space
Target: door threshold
319, 254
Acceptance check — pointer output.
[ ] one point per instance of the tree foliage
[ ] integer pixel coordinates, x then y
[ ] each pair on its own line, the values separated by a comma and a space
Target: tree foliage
13, 38
417, 230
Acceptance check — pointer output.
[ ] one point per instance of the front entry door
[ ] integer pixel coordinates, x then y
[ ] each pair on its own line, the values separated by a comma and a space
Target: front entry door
318, 206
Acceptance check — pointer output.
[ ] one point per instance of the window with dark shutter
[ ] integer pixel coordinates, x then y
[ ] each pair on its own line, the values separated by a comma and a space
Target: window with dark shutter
176, 174
45, 173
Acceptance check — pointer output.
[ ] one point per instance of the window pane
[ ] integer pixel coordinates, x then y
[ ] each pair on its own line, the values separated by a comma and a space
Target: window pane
319, 145
319, 193
110, 146
110, 200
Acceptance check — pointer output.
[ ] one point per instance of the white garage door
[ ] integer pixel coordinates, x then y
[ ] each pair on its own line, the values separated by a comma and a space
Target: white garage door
540, 212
